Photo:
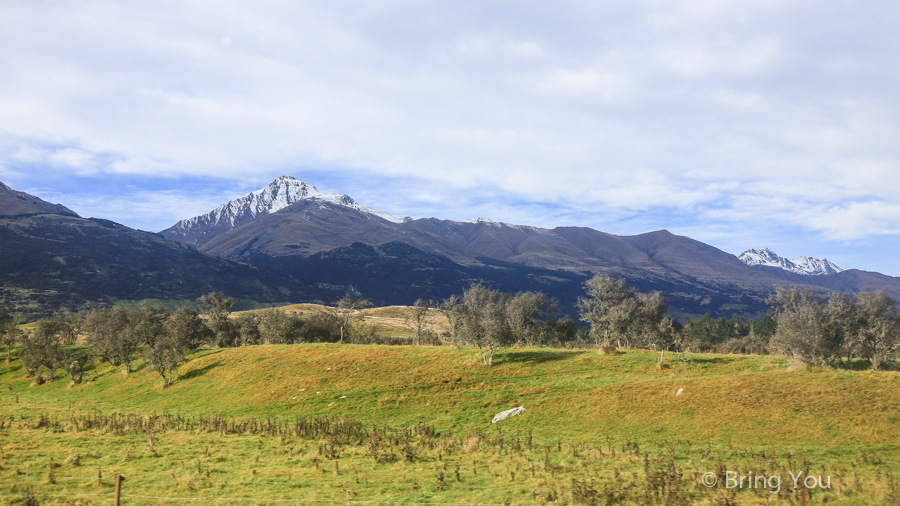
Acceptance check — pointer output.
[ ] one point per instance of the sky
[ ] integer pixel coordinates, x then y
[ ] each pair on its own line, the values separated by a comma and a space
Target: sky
739, 124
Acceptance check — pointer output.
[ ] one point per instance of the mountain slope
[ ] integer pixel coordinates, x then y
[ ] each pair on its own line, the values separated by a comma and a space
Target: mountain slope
311, 240
66, 263
311, 226
396, 273
277, 195
52, 263
16, 203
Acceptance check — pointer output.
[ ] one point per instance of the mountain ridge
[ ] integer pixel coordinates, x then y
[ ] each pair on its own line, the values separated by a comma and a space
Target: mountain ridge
692, 274
58, 262
15, 203
277, 195
802, 265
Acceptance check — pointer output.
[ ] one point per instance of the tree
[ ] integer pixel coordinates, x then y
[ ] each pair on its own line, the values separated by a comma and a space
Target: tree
110, 337
665, 336
878, 327
165, 358
217, 307
618, 312
248, 329
766, 327
481, 320
279, 327
187, 328
148, 323
9, 334
322, 326
40, 352
58, 330
808, 330
348, 312
75, 362
604, 308
418, 313
522, 311
450, 311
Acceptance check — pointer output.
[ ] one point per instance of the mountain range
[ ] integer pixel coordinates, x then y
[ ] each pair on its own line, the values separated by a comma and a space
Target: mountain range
290, 242
53, 261
301, 238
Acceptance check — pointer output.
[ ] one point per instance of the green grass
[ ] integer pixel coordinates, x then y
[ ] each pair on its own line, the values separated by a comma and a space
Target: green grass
581, 407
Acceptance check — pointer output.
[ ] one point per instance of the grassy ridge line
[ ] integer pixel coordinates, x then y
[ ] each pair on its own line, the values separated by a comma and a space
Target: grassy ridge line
574, 395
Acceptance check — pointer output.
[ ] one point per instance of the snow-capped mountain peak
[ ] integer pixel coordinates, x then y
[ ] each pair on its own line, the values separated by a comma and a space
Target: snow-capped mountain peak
802, 265
277, 195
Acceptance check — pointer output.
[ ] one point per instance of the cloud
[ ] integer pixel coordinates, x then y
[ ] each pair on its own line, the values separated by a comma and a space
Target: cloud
651, 112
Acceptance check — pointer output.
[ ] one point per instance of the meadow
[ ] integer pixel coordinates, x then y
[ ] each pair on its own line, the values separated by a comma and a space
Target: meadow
373, 424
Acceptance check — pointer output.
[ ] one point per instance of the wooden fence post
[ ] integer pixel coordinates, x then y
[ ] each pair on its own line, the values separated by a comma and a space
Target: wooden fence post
119, 479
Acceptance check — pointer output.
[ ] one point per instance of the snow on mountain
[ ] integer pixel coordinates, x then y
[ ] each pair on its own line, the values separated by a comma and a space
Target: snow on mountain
802, 265
277, 195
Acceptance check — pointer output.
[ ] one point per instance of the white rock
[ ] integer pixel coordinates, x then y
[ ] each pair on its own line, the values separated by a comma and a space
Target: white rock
503, 415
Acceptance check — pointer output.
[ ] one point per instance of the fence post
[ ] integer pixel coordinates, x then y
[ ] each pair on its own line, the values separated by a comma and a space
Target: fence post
119, 479
802, 497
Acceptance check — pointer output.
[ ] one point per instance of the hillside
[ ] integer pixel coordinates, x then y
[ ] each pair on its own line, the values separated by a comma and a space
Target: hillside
53, 263
741, 400
346, 423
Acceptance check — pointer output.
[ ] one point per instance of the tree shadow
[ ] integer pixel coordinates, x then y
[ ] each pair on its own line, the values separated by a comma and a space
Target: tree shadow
710, 360
856, 364
196, 373
538, 356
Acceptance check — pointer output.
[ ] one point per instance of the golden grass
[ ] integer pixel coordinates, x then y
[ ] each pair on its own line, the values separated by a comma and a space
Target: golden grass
576, 402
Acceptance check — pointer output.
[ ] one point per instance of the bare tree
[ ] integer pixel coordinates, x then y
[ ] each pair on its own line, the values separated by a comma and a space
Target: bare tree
165, 358
279, 327
9, 334
217, 306
417, 315
40, 353
806, 331
187, 328
616, 311
450, 310
148, 323
110, 338
522, 311
248, 329
879, 327
481, 317
348, 312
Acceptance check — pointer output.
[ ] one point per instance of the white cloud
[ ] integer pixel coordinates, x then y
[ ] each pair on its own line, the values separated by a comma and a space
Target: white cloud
697, 110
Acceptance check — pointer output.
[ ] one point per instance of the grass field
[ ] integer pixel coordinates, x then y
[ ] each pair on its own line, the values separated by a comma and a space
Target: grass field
328, 423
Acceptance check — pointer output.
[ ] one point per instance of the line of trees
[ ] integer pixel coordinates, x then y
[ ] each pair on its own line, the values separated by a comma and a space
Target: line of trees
120, 337
808, 327
488, 320
832, 330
